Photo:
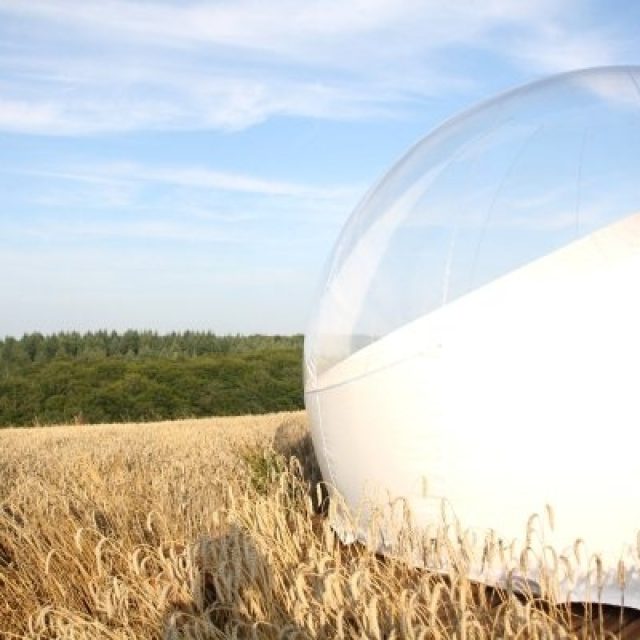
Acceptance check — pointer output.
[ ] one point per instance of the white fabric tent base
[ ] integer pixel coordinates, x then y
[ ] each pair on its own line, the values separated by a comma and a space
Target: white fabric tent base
521, 397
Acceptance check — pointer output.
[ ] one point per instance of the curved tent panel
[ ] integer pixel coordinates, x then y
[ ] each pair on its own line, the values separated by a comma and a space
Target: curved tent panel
477, 338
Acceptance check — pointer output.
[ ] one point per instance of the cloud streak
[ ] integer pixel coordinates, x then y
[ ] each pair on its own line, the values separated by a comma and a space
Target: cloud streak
123, 65
199, 178
119, 179
144, 202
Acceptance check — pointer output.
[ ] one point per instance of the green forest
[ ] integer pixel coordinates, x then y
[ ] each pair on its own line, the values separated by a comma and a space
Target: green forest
139, 375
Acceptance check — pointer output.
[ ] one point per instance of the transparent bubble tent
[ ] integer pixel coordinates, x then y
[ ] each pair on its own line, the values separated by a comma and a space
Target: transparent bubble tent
476, 342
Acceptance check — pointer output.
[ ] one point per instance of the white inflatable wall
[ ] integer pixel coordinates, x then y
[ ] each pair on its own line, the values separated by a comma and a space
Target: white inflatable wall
483, 394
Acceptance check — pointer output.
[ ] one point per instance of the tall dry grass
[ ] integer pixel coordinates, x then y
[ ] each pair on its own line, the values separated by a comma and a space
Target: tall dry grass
209, 529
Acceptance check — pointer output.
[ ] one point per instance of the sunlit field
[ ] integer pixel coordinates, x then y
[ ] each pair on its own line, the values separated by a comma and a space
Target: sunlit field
215, 528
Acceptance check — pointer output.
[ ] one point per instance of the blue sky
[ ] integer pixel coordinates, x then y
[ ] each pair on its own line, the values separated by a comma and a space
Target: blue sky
187, 165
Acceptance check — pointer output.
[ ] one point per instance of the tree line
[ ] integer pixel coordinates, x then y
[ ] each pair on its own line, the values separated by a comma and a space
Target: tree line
106, 376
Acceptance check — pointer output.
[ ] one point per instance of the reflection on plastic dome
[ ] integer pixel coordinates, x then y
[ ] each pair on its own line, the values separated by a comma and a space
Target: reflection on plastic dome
489, 191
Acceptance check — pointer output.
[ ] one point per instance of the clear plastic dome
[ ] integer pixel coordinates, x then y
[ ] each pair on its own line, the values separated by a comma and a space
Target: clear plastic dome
488, 191
476, 343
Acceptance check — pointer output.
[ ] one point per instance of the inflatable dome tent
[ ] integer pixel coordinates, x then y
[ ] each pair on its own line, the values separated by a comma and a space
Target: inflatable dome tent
476, 343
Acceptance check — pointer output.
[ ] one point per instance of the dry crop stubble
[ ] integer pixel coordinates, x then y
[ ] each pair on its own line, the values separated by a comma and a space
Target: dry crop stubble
214, 529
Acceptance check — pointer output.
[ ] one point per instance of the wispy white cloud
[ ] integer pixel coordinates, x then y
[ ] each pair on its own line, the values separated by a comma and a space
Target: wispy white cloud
143, 202
145, 230
198, 177
120, 65
283, 26
20, 115
225, 181
555, 49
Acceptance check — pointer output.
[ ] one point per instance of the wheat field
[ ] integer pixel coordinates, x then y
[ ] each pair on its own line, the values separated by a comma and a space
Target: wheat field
214, 528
